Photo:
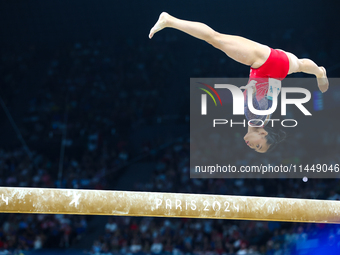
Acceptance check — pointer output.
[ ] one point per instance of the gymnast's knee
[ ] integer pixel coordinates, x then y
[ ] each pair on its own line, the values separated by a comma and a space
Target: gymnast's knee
214, 38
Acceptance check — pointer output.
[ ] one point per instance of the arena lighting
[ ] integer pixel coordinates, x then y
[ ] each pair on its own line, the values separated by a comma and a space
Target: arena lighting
127, 203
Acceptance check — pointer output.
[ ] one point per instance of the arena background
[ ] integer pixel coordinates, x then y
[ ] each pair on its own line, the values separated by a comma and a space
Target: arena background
88, 101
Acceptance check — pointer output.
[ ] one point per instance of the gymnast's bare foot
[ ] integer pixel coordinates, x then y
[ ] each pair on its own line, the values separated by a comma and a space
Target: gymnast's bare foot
161, 23
323, 81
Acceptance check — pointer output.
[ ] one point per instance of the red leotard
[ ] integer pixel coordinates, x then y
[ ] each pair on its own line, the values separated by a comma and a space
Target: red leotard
277, 67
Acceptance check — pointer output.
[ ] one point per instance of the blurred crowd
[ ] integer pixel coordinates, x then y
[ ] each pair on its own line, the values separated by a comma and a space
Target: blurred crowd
190, 236
25, 232
32, 232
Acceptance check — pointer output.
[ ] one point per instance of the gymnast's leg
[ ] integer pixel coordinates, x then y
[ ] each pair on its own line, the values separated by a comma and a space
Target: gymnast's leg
306, 65
238, 48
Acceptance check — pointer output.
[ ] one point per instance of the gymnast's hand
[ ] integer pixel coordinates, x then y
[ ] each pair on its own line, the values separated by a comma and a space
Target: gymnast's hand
252, 84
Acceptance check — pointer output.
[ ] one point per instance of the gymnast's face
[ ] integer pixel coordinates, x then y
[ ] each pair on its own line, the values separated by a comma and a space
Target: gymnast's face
256, 139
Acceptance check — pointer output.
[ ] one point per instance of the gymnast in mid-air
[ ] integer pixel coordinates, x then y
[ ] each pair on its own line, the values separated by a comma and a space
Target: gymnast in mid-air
264, 63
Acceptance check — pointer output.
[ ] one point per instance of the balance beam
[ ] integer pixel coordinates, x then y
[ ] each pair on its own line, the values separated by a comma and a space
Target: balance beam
154, 204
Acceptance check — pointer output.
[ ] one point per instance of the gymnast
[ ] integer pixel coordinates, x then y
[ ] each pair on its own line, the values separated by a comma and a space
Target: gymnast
264, 63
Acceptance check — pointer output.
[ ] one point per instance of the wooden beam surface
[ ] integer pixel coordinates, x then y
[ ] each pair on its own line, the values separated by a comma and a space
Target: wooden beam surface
127, 203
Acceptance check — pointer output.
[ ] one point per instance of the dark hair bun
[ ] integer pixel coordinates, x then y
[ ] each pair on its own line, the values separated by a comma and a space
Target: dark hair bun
274, 137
